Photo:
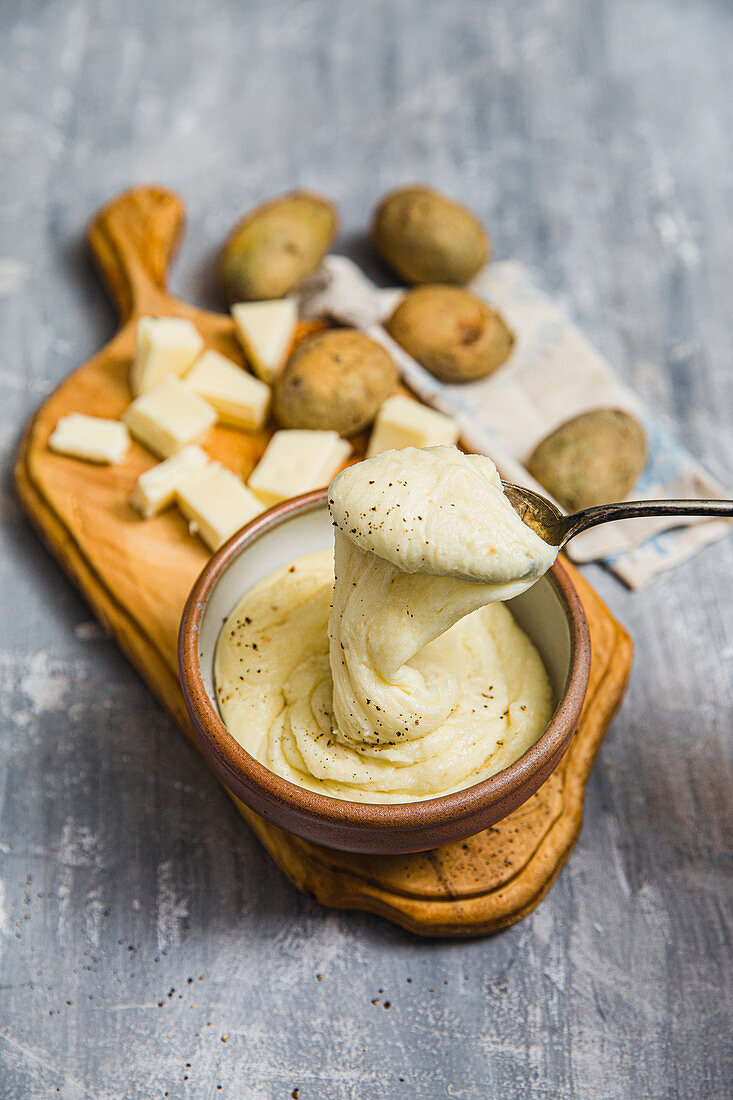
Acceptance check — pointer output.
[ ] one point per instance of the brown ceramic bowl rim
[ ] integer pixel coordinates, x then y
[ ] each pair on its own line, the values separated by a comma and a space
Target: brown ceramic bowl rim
241, 771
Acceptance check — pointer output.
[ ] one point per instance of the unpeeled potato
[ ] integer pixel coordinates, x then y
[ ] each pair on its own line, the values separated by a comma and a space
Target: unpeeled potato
276, 245
453, 333
595, 458
334, 381
428, 238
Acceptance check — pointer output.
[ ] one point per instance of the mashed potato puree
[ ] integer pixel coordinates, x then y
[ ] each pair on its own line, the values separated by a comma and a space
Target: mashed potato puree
402, 676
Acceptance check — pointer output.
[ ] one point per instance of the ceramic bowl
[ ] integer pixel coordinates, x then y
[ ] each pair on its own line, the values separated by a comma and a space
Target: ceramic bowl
550, 613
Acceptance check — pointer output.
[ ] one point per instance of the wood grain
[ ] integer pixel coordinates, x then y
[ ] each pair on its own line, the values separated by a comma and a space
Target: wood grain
136, 575
148, 566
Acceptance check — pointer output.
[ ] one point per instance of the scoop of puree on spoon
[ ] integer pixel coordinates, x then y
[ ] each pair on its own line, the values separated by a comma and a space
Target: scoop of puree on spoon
552, 525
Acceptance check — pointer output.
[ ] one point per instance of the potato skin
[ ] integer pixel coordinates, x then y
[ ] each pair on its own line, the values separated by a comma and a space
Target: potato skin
595, 458
453, 333
428, 238
334, 381
276, 245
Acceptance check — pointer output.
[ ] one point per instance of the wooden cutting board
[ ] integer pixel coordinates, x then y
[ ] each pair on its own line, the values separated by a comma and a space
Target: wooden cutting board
136, 576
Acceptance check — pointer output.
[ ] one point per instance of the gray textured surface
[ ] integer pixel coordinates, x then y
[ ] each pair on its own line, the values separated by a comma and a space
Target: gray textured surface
141, 925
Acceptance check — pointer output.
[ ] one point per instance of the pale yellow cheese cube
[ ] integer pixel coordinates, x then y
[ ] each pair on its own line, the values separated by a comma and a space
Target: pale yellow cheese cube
91, 438
156, 488
169, 416
265, 331
239, 399
165, 345
297, 461
402, 422
216, 503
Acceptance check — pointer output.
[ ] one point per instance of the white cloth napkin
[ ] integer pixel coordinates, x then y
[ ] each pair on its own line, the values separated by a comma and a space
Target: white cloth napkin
552, 374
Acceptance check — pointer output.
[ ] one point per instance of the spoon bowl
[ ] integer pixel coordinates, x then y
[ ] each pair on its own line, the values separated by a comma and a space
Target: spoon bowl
556, 528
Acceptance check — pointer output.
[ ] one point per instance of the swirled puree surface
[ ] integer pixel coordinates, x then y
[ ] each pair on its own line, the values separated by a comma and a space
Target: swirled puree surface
404, 677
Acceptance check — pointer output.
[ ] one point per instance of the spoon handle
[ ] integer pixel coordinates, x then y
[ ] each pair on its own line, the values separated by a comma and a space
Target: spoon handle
629, 509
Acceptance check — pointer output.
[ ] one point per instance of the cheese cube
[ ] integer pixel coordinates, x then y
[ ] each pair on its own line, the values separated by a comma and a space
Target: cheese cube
265, 331
169, 416
91, 438
295, 462
156, 488
238, 398
165, 345
402, 422
216, 503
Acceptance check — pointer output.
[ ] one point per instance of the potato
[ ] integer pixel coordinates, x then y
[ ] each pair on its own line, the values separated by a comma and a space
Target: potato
428, 238
335, 381
595, 458
454, 334
276, 245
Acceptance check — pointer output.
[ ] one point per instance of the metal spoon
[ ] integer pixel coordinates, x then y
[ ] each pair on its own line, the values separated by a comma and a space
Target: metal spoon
552, 525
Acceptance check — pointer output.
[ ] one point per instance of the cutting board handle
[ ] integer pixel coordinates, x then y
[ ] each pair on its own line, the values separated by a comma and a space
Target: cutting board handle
133, 238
